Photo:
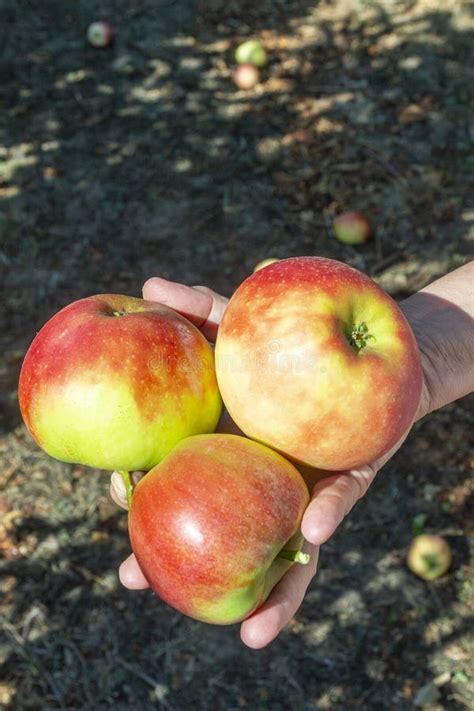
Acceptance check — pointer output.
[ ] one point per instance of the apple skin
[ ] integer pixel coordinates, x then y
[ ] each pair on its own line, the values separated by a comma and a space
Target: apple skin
429, 556
115, 382
245, 76
290, 377
352, 228
100, 34
206, 525
252, 52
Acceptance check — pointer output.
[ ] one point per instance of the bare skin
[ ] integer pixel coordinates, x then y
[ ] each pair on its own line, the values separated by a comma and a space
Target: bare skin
442, 318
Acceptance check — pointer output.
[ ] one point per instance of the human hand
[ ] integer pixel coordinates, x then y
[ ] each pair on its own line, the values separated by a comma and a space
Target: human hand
333, 494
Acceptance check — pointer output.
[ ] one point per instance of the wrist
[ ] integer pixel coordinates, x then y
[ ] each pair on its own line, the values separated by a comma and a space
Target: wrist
428, 363
441, 318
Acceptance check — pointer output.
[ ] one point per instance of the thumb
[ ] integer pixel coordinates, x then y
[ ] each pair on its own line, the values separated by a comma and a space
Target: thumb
333, 498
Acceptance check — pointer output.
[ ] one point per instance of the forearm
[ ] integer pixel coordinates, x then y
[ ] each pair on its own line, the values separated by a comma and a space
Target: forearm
442, 318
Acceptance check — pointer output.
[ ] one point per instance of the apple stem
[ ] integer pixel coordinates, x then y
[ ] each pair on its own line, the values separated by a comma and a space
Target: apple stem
295, 556
127, 480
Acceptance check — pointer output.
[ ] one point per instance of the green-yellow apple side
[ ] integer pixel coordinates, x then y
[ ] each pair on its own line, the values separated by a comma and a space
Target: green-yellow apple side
212, 523
115, 382
429, 556
318, 362
252, 52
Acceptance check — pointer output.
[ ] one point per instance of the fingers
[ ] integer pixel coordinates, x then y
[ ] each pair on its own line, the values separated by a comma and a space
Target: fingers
332, 500
131, 576
200, 305
268, 621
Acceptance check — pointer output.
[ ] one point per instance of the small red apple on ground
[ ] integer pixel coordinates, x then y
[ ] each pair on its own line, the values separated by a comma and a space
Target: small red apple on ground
216, 525
352, 228
265, 263
100, 34
245, 76
314, 359
115, 382
251, 52
429, 556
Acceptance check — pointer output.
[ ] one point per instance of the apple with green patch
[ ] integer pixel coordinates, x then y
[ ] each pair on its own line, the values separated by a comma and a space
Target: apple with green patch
251, 52
115, 382
314, 359
429, 556
216, 525
352, 228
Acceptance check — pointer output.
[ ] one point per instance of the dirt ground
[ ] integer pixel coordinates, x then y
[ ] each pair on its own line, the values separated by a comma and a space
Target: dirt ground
144, 159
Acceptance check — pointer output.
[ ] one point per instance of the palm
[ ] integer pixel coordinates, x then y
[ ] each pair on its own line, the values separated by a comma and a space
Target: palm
333, 494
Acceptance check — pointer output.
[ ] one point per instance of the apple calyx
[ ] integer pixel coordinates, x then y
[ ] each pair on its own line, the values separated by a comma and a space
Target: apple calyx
432, 562
119, 313
295, 556
127, 480
359, 336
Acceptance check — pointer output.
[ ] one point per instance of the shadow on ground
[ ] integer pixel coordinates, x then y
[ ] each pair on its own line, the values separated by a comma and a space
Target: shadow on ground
144, 159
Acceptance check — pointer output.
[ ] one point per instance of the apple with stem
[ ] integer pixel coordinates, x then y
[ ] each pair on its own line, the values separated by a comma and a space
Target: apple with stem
115, 382
216, 525
315, 360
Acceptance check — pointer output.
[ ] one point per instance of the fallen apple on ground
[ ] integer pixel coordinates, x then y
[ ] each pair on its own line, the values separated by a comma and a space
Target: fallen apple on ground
245, 76
265, 263
352, 228
429, 556
100, 34
115, 382
216, 525
252, 52
317, 361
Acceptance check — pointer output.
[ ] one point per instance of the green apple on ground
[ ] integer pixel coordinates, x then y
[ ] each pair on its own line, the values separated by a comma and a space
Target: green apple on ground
429, 556
245, 76
317, 361
265, 263
252, 52
216, 525
352, 228
115, 382
100, 34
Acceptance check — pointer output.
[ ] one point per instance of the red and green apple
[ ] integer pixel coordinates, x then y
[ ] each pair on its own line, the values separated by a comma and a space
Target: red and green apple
216, 524
314, 359
352, 228
100, 34
115, 382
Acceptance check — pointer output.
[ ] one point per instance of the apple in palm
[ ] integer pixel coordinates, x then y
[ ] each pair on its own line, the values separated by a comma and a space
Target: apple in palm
115, 382
317, 361
216, 524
